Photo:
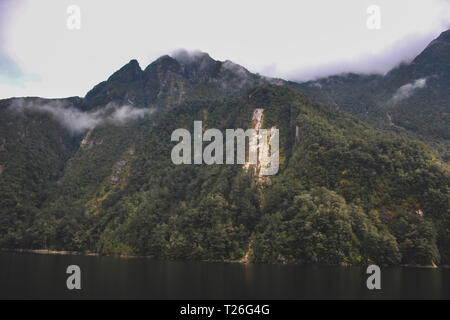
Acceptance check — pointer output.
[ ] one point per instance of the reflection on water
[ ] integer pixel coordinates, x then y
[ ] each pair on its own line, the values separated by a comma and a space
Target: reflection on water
44, 277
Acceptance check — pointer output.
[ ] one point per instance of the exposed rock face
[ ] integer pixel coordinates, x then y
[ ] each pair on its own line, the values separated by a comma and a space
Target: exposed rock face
257, 121
168, 80
117, 170
262, 149
85, 141
121, 168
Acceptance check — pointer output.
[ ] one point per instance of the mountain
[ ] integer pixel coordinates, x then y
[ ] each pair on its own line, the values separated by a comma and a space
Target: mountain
169, 80
95, 173
414, 96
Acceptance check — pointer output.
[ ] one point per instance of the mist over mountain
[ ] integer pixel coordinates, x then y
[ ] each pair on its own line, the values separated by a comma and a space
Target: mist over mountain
414, 96
359, 180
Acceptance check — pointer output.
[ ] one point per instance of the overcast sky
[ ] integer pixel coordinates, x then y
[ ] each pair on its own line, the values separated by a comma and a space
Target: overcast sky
297, 40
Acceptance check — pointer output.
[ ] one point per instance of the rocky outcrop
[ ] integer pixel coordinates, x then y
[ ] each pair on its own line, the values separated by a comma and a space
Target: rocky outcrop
121, 168
262, 149
85, 141
170, 79
117, 170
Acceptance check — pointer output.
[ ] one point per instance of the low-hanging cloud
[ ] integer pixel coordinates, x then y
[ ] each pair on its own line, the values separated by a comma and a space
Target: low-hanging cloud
78, 121
128, 113
408, 89
297, 40
402, 51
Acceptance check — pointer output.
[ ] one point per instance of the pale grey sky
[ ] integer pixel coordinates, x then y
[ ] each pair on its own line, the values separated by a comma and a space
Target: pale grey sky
298, 40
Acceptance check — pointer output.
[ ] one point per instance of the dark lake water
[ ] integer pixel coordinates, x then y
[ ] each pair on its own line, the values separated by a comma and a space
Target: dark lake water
44, 277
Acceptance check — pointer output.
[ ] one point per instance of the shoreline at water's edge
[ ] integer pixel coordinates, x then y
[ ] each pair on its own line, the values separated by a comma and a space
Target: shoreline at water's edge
124, 256
72, 253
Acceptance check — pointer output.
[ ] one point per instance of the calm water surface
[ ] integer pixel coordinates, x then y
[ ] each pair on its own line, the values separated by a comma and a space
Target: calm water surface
24, 275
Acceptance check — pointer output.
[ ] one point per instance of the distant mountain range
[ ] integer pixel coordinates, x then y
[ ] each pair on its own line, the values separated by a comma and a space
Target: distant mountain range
364, 174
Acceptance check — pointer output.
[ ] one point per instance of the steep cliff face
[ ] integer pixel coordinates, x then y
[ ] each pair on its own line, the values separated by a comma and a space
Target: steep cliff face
260, 144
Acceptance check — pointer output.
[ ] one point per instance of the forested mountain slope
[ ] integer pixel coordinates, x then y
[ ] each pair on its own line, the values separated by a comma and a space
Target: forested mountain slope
96, 174
414, 96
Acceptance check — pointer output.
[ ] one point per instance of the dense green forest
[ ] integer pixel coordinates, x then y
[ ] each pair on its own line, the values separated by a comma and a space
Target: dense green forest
346, 193
412, 98
95, 173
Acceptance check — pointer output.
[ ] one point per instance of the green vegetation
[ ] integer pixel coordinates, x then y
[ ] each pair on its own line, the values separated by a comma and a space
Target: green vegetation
424, 111
346, 193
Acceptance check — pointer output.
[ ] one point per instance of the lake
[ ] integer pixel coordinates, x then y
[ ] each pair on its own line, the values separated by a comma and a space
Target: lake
33, 276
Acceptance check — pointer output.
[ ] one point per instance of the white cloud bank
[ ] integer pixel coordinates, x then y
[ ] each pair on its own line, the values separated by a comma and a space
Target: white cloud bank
77, 121
408, 89
298, 40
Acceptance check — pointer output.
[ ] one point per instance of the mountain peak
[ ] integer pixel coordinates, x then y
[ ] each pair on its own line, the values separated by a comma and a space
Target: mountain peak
129, 72
197, 64
445, 36
163, 64
134, 62
435, 58
169, 77
442, 39
189, 57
